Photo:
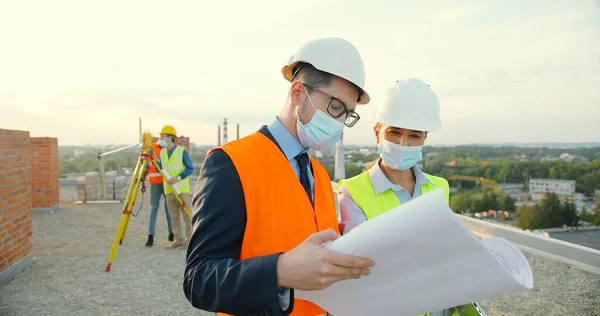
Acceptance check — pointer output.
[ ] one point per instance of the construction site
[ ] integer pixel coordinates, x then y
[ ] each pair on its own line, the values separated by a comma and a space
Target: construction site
55, 242
458, 140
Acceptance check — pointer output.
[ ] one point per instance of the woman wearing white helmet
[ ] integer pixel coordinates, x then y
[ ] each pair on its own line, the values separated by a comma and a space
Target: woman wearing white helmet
408, 112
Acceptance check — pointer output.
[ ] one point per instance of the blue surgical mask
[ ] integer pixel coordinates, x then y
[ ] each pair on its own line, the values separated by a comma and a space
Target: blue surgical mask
162, 143
322, 132
399, 157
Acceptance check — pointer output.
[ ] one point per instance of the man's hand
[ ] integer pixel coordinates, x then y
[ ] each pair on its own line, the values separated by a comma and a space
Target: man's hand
173, 180
310, 266
143, 188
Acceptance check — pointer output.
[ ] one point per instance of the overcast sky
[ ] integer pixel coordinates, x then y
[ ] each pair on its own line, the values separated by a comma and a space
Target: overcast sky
505, 71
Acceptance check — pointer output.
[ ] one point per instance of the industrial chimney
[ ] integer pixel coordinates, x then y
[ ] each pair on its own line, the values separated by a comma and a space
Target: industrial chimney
340, 167
218, 135
237, 131
224, 131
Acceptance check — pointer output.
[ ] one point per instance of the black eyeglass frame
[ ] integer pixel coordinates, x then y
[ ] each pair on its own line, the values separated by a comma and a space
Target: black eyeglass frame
351, 116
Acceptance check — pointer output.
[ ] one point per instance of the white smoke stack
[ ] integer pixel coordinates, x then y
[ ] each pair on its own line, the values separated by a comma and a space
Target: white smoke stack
224, 131
340, 167
218, 135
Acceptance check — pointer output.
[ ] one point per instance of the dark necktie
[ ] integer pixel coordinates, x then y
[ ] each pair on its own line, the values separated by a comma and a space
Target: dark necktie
302, 160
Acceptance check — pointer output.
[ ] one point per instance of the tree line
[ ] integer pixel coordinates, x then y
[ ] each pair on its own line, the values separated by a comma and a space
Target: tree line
482, 199
508, 170
490, 152
497, 164
552, 212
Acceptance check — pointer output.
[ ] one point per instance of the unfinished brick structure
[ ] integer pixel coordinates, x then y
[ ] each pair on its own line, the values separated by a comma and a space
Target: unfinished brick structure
44, 174
28, 180
16, 223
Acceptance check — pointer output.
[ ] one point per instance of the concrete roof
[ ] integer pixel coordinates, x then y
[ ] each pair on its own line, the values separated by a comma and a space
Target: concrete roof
73, 244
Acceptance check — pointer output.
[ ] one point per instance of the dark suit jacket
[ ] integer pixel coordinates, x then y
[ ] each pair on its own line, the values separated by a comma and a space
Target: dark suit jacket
215, 280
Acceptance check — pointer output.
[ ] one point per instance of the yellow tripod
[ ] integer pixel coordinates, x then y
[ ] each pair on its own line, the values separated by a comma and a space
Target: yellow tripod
146, 157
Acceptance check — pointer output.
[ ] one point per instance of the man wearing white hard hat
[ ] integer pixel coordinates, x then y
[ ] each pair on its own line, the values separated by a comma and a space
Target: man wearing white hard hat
409, 110
263, 207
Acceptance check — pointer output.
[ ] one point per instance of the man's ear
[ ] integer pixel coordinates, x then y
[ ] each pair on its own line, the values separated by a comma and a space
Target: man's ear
426, 135
376, 129
297, 93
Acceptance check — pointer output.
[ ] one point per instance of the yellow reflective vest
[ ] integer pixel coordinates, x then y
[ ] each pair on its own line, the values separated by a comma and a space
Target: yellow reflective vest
372, 204
174, 166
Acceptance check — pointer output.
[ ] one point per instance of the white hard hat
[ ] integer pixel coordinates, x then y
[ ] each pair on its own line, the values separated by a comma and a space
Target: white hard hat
410, 104
335, 56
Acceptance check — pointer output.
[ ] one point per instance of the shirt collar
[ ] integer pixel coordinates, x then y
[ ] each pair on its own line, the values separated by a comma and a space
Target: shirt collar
381, 183
289, 145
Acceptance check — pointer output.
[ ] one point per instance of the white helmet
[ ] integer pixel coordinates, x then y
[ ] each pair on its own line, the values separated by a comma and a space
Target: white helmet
410, 104
332, 55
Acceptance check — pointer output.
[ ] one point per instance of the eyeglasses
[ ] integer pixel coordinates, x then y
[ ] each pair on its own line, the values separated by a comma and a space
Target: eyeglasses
337, 108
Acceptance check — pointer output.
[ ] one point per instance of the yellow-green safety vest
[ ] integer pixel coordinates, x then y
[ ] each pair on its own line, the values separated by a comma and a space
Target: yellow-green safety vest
372, 204
174, 166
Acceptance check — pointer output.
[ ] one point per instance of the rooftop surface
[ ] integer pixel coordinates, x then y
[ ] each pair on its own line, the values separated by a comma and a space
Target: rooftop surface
72, 246
588, 238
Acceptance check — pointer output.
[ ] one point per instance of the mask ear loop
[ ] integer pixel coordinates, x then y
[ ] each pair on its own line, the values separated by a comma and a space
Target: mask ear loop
309, 98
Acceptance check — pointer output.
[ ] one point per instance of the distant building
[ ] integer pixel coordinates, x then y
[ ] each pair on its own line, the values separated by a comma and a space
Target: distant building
570, 158
579, 197
573, 158
563, 188
183, 141
452, 163
368, 151
511, 187
515, 191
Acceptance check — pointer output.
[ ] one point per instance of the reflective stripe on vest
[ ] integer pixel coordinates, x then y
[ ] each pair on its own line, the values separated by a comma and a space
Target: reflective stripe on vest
278, 211
174, 166
373, 204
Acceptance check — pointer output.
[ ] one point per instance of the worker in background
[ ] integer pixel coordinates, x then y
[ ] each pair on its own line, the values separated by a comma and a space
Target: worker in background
407, 113
156, 192
176, 161
263, 207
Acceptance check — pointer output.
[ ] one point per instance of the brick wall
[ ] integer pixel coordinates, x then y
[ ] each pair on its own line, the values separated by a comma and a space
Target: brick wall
44, 173
180, 141
16, 222
183, 141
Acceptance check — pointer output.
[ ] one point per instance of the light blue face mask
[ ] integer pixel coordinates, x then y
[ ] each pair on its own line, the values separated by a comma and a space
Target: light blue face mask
399, 157
162, 143
322, 132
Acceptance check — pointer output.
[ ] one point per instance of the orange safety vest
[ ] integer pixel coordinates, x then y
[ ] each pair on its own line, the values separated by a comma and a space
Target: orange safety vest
278, 211
153, 176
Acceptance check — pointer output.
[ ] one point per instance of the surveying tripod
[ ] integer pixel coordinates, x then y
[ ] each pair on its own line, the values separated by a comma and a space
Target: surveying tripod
146, 157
